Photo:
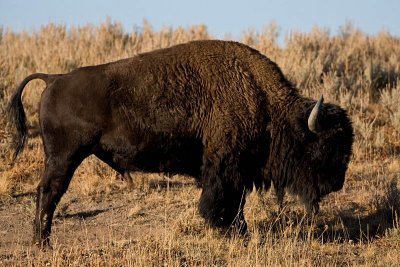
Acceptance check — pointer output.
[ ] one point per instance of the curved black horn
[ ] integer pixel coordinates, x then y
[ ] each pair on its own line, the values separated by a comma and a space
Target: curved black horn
313, 123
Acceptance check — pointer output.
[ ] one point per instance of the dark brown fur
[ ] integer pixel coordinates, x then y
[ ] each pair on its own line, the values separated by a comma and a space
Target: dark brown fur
219, 111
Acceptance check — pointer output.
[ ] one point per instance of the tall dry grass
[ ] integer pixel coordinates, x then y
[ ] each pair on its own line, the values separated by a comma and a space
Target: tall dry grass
356, 71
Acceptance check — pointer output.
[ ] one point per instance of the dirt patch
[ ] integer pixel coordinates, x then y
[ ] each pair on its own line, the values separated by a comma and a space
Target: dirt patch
120, 216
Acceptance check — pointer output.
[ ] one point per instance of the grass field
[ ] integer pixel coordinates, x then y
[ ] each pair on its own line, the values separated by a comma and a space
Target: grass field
103, 222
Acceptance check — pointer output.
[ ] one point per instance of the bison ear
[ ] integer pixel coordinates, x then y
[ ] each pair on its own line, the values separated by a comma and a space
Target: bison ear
313, 119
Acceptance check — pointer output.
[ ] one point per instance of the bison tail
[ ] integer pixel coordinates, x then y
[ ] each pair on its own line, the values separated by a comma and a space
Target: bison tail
16, 113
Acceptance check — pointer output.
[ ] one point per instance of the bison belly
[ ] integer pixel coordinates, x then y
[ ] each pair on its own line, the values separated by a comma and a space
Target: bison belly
151, 152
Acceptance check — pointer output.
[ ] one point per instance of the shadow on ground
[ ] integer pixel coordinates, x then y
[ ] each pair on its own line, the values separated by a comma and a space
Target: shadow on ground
83, 214
344, 226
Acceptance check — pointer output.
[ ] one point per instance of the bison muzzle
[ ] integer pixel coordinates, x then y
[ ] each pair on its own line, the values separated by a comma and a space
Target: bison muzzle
219, 111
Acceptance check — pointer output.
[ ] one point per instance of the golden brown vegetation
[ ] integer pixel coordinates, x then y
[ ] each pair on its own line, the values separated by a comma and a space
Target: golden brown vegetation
100, 222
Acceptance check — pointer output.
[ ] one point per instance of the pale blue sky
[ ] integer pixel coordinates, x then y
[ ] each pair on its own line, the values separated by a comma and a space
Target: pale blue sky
221, 17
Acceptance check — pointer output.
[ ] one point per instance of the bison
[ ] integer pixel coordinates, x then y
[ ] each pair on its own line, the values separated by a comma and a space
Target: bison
219, 111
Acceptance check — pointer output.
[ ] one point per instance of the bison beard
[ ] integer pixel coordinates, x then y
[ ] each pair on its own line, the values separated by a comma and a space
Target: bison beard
218, 111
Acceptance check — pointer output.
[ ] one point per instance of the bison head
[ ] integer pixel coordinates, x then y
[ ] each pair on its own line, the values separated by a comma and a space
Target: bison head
310, 151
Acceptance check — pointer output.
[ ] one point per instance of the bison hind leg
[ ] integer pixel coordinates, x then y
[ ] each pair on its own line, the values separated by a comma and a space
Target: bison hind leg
54, 183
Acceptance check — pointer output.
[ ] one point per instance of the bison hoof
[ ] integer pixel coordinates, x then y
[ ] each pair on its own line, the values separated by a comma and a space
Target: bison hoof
313, 209
42, 241
237, 228
43, 244
241, 228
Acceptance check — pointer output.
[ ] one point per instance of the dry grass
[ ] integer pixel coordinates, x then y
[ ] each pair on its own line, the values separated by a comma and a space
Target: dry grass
101, 222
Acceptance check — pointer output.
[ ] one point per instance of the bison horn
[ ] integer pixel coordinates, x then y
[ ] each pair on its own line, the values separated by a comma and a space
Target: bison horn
313, 123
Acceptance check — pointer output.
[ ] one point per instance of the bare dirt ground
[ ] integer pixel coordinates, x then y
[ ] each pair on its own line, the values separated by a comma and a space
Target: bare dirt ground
118, 217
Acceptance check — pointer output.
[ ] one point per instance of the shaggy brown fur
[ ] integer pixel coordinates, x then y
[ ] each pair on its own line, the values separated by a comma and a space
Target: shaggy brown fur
219, 111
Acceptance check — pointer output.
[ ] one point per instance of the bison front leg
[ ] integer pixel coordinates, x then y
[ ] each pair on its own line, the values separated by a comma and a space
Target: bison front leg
55, 181
223, 196
312, 206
